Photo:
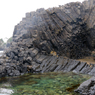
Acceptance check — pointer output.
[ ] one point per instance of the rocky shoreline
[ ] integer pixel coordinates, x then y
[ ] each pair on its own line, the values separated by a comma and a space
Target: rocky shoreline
43, 63
51, 40
87, 87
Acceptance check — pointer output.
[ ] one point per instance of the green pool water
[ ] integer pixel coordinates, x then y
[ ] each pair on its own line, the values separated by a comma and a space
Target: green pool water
44, 84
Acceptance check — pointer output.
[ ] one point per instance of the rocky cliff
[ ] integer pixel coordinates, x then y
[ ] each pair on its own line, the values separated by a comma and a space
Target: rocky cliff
43, 39
68, 30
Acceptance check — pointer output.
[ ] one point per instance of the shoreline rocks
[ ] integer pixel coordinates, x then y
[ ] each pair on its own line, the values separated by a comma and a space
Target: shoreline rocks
43, 63
87, 87
43, 39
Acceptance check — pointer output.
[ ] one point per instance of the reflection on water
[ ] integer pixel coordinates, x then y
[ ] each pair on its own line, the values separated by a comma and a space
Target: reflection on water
43, 84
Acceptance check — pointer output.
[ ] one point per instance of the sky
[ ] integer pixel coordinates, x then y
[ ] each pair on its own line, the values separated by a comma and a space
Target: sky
12, 12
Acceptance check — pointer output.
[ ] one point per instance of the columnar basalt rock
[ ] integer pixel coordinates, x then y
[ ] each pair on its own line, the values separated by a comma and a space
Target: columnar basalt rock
68, 30
44, 38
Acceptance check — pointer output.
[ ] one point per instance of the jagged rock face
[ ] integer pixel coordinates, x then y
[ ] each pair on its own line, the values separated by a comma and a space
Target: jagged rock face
67, 30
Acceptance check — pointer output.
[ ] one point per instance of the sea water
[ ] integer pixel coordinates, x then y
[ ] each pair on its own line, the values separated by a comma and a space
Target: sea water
42, 84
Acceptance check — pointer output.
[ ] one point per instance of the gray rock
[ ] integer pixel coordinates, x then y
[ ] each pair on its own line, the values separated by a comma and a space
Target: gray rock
29, 59
16, 72
84, 68
53, 67
80, 66
35, 66
60, 60
67, 65
92, 90
1, 61
73, 65
43, 64
28, 15
92, 72
12, 55
52, 61
58, 68
66, 30
34, 53
87, 87
40, 59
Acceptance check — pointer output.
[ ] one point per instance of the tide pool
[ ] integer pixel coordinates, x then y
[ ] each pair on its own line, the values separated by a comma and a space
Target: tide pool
43, 84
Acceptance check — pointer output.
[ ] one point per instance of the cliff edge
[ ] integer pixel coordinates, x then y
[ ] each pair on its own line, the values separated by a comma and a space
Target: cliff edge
44, 38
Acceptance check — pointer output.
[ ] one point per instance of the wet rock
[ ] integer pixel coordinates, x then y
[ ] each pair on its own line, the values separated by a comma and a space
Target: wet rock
87, 87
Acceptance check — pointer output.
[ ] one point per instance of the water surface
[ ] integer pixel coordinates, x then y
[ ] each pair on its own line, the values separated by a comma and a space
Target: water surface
43, 84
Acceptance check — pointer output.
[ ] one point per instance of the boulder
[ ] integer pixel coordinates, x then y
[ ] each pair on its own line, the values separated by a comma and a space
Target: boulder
87, 87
